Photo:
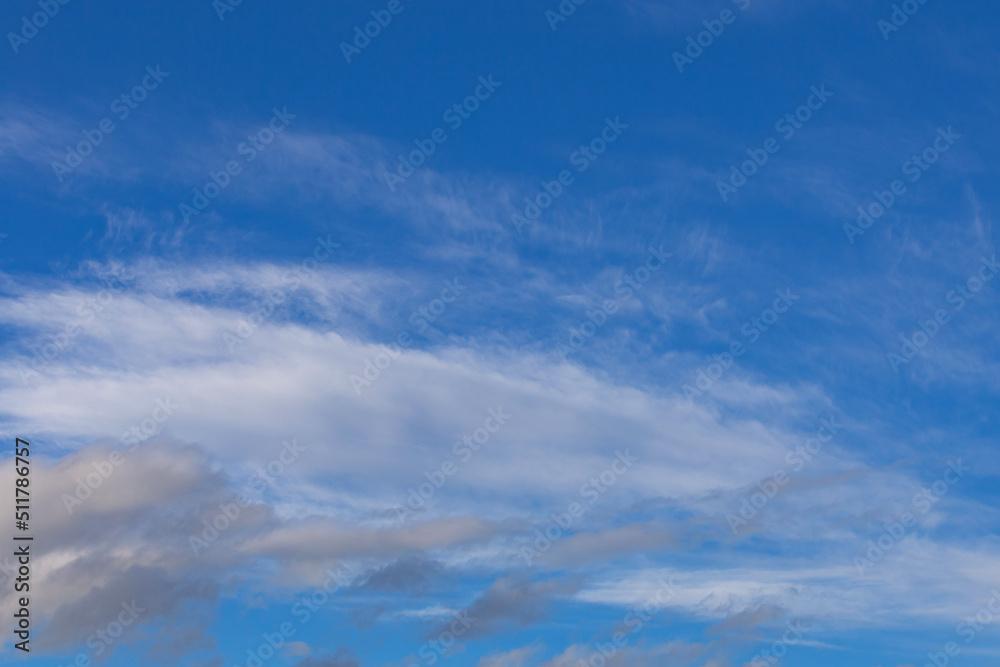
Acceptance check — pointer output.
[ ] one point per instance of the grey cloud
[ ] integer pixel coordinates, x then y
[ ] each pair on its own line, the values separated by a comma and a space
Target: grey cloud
607, 544
411, 572
152, 592
511, 602
342, 658
516, 658
746, 623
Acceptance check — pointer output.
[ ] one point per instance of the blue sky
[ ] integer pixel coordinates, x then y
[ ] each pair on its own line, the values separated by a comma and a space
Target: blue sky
663, 352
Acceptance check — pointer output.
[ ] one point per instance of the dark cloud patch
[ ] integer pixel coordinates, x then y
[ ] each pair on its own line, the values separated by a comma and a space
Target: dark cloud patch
412, 573
342, 658
747, 623
130, 599
511, 602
